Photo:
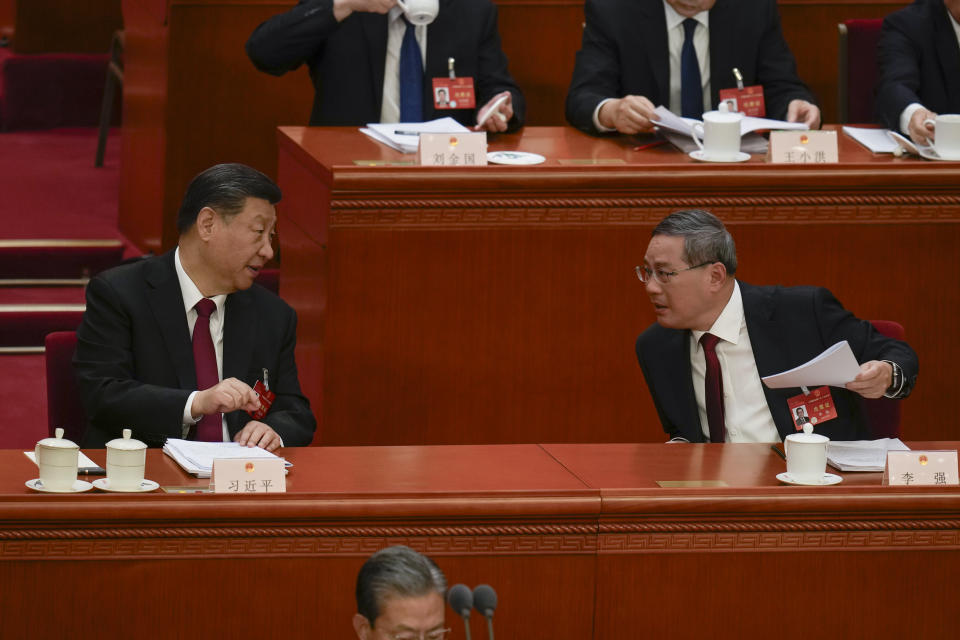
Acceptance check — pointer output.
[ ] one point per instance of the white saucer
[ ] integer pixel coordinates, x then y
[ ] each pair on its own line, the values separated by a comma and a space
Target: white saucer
931, 154
145, 485
78, 487
740, 157
826, 480
514, 157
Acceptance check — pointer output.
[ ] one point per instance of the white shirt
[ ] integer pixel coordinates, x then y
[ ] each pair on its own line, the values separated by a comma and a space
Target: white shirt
907, 113
675, 38
396, 27
191, 296
746, 414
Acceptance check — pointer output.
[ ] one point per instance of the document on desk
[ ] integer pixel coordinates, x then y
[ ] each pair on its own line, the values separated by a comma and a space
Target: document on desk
877, 140
666, 119
862, 455
197, 457
405, 136
835, 367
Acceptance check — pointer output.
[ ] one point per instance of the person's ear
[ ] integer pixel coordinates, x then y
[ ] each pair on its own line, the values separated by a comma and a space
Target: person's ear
718, 275
362, 626
206, 222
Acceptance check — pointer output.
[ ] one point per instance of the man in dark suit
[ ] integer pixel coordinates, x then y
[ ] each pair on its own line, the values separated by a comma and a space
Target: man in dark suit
630, 61
155, 327
704, 313
353, 48
919, 59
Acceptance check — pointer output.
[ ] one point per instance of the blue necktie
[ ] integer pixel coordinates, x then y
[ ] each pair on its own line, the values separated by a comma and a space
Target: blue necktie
691, 90
411, 77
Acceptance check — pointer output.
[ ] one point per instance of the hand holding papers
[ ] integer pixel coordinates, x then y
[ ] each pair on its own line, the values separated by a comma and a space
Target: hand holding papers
834, 367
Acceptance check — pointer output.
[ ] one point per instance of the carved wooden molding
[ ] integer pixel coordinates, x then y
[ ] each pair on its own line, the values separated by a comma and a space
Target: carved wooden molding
778, 541
777, 526
801, 208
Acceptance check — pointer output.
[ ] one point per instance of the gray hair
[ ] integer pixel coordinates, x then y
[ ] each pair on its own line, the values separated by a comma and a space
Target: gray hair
395, 571
705, 239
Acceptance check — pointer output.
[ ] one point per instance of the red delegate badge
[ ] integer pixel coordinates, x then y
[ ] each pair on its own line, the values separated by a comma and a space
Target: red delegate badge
817, 406
453, 93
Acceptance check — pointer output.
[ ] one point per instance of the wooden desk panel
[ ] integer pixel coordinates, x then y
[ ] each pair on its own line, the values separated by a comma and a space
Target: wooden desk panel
499, 304
575, 538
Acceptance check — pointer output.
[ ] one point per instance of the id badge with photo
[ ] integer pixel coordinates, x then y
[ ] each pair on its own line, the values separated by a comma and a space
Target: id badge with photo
817, 406
454, 93
748, 101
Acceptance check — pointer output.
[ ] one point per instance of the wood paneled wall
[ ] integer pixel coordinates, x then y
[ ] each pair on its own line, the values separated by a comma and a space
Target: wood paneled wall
69, 26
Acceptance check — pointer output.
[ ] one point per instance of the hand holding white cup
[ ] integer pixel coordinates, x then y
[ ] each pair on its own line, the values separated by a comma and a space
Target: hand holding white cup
946, 140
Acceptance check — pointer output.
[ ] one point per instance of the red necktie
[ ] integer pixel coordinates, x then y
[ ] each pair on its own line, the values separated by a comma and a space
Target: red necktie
210, 427
713, 388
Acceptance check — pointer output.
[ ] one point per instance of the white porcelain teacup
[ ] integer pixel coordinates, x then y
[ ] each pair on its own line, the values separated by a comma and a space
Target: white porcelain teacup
420, 11
126, 459
57, 459
806, 455
946, 140
721, 135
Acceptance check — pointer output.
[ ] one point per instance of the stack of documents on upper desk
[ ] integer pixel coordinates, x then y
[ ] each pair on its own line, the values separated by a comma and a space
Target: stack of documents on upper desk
679, 130
197, 457
405, 136
862, 455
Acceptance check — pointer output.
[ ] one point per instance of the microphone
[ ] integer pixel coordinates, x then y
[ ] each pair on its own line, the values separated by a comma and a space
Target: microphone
460, 599
485, 601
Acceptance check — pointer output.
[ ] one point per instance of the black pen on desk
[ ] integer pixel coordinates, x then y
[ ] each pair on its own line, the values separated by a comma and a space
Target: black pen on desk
399, 132
650, 145
92, 471
777, 451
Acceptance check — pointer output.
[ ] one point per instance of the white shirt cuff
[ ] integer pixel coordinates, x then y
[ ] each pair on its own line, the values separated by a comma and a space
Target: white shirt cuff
596, 117
907, 115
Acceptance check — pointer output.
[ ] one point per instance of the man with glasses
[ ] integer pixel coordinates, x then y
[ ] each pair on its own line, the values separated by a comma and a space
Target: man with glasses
400, 597
715, 337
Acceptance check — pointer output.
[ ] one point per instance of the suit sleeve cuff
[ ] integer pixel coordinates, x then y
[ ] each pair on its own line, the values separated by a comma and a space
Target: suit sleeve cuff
596, 117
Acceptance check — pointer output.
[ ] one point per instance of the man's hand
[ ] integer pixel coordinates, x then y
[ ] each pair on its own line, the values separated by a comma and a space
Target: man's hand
805, 112
919, 132
630, 114
343, 8
226, 396
258, 434
498, 120
874, 379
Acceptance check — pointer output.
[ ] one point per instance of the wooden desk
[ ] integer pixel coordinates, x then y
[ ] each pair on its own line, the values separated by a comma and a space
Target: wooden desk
578, 540
499, 304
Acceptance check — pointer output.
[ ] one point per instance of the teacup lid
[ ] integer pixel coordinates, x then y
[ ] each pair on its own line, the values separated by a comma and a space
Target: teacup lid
126, 443
59, 441
808, 435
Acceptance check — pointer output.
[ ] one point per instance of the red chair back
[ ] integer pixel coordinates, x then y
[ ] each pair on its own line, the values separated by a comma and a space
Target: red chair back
857, 72
64, 408
883, 414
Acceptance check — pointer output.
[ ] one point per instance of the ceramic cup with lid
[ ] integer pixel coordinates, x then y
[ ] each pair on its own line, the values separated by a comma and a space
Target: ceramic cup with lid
947, 135
57, 459
721, 135
126, 459
806, 455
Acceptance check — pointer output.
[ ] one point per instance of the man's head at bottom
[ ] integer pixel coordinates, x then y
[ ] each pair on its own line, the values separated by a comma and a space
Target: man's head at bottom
400, 596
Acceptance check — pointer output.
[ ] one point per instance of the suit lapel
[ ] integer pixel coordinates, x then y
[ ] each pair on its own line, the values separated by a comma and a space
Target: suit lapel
375, 32
679, 402
651, 20
766, 338
945, 40
166, 303
723, 44
239, 330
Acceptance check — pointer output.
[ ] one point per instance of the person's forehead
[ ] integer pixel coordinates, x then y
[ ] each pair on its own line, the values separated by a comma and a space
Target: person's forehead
258, 209
664, 249
414, 612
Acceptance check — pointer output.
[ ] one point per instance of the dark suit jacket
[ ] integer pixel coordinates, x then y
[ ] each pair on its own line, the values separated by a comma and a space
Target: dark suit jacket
919, 61
346, 59
787, 327
134, 359
625, 52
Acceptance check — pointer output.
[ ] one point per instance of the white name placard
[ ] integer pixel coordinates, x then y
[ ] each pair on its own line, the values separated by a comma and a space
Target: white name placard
249, 475
803, 147
453, 149
910, 468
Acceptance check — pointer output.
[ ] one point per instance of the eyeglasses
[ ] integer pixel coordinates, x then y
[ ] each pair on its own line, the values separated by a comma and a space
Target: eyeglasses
436, 634
663, 277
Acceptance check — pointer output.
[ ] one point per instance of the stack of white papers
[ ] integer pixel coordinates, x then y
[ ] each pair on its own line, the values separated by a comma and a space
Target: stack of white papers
197, 457
666, 119
836, 367
405, 136
862, 455
877, 140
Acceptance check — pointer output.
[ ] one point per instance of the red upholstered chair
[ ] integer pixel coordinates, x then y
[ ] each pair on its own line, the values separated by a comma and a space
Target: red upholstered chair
883, 414
857, 69
64, 408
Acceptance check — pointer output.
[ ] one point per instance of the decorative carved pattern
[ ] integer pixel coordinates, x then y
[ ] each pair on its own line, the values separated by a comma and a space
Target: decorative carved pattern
776, 526
294, 541
586, 211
